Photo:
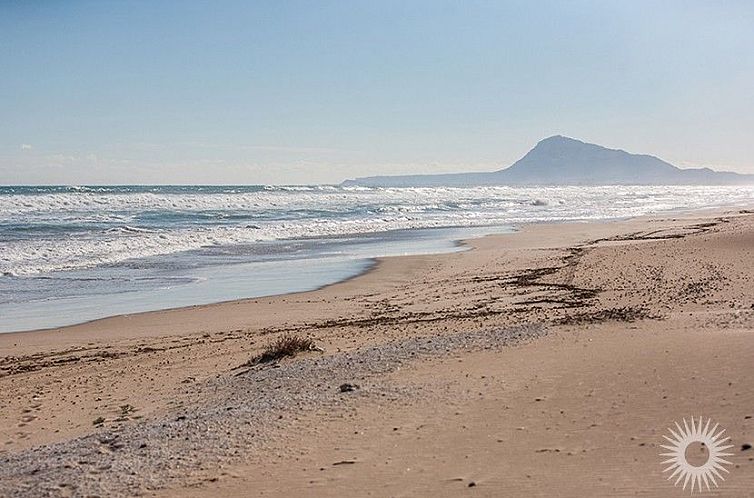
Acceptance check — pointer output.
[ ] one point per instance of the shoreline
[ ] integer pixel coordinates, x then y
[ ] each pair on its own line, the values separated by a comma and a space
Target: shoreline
154, 318
370, 264
212, 284
352, 266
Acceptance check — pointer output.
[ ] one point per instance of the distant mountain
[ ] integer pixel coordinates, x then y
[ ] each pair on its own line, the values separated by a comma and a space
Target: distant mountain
561, 160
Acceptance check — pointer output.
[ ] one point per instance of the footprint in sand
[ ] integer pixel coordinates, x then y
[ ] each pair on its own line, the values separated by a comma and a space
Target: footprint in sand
28, 418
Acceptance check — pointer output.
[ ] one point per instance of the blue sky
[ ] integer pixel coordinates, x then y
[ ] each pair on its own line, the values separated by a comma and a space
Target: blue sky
317, 91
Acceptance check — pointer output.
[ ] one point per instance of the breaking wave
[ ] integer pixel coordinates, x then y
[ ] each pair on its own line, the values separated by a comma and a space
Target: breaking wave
47, 229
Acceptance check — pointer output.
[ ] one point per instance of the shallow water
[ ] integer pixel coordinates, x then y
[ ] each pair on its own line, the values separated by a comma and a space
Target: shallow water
147, 284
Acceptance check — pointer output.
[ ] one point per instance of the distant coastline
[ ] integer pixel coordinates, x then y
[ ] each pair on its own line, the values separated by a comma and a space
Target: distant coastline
560, 160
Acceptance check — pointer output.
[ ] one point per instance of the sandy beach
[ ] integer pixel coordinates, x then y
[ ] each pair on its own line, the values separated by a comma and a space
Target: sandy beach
387, 249
547, 362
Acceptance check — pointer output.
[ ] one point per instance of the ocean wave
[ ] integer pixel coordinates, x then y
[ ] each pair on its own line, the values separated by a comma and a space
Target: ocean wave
28, 257
67, 228
57, 202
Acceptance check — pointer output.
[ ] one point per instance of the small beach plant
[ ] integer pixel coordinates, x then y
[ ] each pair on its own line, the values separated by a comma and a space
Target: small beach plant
288, 345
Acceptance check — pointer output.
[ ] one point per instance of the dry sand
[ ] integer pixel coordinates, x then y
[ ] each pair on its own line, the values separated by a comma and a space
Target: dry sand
546, 362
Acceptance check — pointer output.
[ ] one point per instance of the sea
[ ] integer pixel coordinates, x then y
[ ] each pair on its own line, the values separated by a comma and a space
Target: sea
70, 254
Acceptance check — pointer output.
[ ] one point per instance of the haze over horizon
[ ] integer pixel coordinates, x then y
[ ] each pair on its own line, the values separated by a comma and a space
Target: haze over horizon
193, 92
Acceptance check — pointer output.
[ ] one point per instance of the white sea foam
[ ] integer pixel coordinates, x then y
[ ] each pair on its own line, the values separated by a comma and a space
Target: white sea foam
103, 225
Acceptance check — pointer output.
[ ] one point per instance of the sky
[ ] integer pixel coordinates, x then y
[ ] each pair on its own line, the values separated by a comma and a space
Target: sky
261, 92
